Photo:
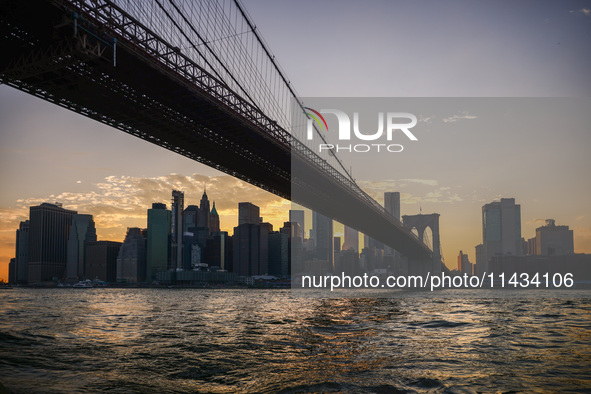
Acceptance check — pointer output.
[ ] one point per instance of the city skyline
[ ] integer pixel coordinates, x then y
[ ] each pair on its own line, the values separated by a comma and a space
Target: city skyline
50, 154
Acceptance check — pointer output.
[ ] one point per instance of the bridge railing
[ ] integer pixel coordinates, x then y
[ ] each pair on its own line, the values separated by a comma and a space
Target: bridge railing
179, 65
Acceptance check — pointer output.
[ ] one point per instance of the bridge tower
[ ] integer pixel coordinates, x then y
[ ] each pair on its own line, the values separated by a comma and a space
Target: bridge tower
421, 222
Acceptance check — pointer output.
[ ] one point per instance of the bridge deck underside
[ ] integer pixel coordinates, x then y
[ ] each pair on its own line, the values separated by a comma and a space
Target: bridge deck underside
139, 97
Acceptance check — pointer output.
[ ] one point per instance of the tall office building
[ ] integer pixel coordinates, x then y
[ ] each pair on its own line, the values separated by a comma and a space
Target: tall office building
191, 225
12, 271
464, 265
218, 251
131, 260
178, 203
351, 239
22, 253
214, 221
204, 211
553, 240
191, 219
392, 204
49, 227
101, 260
250, 249
279, 254
82, 230
323, 238
248, 213
299, 217
501, 231
158, 240
251, 242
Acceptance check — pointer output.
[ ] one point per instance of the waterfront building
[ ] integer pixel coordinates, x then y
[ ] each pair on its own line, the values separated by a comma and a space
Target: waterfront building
82, 230
299, 217
248, 213
214, 221
323, 237
158, 240
501, 231
131, 260
49, 227
554, 240
351, 239
22, 253
178, 203
101, 260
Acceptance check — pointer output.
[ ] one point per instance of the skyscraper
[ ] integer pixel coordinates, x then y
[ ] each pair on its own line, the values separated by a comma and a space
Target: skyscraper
392, 204
248, 213
48, 242
178, 203
298, 216
158, 240
82, 230
204, 211
22, 253
101, 260
214, 221
501, 231
323, 237
351, 239
279, 254
131, 260
251, 242
554, 240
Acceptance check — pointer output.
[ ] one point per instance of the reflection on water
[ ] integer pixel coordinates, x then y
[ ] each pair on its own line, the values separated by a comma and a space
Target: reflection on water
161, 340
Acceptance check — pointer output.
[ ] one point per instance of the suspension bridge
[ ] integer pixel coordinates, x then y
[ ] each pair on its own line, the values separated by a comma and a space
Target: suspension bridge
196, 78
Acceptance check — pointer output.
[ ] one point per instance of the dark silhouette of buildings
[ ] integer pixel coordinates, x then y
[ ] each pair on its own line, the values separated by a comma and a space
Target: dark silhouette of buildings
12, 271
551, 240
204, 210
299, 217
158, 242
49, 229
323, 238
464, 265
214, 221
178, 202
251, 242
82, 231
101, 260
501, 232
131, 260
248, 213
22, 253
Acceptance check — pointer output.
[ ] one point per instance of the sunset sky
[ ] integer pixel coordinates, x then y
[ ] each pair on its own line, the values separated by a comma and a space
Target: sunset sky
352, 49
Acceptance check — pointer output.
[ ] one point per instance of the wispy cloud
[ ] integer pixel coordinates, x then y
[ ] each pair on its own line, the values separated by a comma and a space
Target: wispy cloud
586, 11
459, 116
122, 201
430, 182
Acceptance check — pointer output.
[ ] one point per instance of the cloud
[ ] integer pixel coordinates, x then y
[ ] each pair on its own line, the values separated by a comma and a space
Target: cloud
429, 182
459, 116
536, 221
586, 11
119, 202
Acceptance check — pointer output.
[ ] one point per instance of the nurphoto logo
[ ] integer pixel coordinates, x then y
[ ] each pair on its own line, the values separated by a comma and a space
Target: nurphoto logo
392, 121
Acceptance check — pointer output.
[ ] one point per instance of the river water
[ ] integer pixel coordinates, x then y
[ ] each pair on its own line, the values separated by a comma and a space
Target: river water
199, 340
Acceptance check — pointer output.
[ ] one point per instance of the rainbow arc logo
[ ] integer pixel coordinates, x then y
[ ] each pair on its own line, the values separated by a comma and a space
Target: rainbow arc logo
315, 116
